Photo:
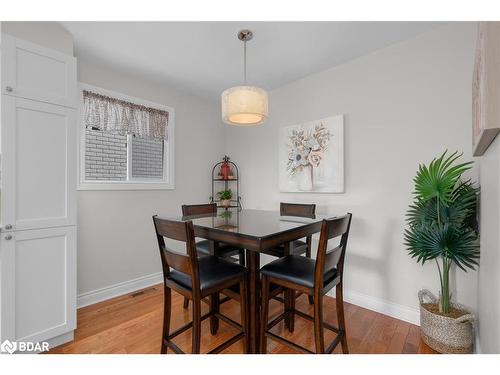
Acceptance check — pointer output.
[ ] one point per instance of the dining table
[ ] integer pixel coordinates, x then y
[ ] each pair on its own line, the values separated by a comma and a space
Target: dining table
257, 231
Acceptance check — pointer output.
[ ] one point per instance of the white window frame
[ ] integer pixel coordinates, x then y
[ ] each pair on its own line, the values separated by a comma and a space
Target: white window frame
167, 183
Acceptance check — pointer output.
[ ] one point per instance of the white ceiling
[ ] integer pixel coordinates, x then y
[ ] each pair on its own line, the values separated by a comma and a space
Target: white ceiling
204, 58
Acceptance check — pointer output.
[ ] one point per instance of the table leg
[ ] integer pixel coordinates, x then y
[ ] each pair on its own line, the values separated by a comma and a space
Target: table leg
253, 265
289, 296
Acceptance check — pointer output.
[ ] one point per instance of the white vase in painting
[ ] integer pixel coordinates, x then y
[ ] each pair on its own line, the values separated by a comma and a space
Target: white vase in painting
305, 179
318, 176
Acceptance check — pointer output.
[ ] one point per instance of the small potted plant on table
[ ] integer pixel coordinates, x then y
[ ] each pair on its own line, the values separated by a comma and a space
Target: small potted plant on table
443, 228
225, 197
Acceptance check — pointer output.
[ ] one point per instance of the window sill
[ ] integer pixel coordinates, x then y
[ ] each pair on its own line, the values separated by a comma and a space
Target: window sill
125, 186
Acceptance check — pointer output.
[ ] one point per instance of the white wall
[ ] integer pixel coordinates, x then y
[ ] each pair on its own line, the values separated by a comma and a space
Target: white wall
488, 297
116, 241
403, 105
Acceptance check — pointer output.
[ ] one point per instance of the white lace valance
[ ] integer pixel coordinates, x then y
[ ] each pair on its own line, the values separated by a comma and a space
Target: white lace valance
122, 117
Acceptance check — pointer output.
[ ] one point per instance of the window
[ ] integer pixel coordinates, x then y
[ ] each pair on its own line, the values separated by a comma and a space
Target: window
126, 143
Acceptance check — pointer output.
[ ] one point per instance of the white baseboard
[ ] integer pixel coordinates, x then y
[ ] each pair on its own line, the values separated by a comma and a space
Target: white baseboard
385, 307
61, 339
99, 295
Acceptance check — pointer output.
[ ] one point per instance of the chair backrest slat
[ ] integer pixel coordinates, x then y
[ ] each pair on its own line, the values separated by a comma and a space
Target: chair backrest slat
297, 209
181, 231
171, 229
338, 229
334, 258
178, 262
199, 209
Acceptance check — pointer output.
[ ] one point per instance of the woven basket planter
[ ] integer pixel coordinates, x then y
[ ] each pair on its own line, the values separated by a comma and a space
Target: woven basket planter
444, 334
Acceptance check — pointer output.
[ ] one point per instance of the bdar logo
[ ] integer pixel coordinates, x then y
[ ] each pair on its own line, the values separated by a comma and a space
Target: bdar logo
8, 347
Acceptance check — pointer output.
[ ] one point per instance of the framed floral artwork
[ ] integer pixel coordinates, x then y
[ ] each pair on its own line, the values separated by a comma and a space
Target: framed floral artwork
486, 87
311, 156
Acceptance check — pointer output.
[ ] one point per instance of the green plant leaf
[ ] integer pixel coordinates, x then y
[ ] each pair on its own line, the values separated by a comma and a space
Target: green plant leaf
430, 242
439, 179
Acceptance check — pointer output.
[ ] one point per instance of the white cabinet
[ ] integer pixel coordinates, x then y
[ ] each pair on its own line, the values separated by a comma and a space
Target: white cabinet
38, 193
38, 164
38, 281
34, 72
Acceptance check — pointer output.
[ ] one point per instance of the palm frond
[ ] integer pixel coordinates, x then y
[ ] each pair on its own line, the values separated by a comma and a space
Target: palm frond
439, 178
431, 241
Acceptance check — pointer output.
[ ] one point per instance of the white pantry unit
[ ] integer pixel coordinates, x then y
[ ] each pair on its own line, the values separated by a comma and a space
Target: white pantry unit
38, 193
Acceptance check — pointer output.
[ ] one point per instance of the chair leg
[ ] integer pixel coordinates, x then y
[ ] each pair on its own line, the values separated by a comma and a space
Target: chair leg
286, 307
291, 327
244, 314
308, 255
241, 257
196, 338
186, 303
339, 300
214, 308
319, 339
167, 309
264, 312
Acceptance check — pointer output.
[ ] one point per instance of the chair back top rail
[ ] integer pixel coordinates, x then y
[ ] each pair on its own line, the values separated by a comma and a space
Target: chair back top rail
297, 209
181, 231
327, 260
199, 209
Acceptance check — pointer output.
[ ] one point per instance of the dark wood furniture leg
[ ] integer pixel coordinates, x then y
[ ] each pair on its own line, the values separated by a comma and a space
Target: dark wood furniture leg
241, 257
308, 255
253, 266
244, 313
265, 315
214, 309
339, 300
319, 338
167, 311
196, 334
289, 295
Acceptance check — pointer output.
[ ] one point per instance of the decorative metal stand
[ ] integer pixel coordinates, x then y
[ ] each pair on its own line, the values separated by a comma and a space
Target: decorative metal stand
219, 183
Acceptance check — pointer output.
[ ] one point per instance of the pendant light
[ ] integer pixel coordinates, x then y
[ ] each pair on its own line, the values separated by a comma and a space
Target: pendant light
244, 105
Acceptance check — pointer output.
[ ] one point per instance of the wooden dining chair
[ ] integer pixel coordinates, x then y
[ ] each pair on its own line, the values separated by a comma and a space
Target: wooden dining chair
315, 278
299, 247
205, 247
198, 278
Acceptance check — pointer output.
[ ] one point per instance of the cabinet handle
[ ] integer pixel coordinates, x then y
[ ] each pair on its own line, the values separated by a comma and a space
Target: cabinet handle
8, 227
8, 237
9, 89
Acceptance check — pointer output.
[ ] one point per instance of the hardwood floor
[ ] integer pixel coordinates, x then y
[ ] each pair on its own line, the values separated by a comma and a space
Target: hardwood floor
133, 324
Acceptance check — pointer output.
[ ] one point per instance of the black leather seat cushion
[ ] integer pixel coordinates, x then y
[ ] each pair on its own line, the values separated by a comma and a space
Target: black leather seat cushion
296, 269
203, 247
213, 271
299, 247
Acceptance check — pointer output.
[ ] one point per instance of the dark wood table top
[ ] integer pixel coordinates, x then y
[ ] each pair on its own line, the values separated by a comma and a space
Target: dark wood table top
254, 229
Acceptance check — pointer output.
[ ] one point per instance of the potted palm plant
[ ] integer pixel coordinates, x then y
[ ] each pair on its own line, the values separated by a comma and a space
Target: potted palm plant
442, 227
225, 197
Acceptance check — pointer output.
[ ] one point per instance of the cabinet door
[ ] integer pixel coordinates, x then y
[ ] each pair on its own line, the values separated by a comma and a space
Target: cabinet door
35, 72
38, 165
38, 283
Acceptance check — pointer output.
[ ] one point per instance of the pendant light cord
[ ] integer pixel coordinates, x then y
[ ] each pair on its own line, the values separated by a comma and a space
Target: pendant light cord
245, 62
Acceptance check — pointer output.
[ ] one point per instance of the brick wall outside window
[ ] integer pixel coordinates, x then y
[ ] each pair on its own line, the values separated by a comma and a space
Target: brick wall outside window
147, 158
105, 156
